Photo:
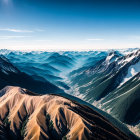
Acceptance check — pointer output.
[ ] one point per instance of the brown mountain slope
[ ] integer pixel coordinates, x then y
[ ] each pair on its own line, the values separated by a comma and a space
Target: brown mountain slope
25, 115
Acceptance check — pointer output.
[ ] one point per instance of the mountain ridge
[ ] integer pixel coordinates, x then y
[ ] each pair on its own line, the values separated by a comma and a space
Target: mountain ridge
60, 114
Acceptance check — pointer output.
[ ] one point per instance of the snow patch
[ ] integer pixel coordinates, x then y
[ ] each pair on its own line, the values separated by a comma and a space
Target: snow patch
132, 71
134, 129
111, 58
98, 103
109, 110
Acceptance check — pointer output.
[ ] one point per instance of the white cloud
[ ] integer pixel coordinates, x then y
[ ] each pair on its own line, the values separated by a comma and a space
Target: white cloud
94, 39
12, 37
21, 31
16, 30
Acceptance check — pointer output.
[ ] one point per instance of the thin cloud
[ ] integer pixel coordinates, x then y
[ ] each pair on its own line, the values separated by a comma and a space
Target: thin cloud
12, 37
41, 40
16, 30
95, 39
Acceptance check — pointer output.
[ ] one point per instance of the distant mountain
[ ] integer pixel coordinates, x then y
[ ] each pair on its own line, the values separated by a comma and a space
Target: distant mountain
10, 75
45, 65
26, 115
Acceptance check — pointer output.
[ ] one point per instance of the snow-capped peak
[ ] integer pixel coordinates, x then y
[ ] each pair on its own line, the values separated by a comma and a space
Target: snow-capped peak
112, 56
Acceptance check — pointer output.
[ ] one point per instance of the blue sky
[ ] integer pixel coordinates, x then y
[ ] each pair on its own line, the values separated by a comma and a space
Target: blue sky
69, 24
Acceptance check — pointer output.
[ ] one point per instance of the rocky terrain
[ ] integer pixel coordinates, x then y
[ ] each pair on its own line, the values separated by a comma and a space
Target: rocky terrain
27, 115
113, 85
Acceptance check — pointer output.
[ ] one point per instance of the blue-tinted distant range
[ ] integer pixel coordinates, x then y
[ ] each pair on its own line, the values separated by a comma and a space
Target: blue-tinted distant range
69, 24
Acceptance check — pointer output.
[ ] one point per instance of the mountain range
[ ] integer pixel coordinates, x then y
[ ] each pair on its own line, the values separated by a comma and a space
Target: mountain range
86, 95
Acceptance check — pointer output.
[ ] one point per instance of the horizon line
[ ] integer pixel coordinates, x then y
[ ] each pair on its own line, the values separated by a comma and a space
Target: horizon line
64, 50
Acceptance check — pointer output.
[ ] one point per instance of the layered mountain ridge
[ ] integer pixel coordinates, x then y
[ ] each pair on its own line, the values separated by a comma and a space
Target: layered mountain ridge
108, 80
10, 75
